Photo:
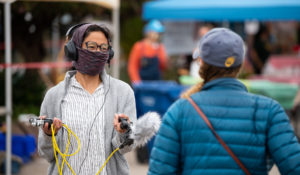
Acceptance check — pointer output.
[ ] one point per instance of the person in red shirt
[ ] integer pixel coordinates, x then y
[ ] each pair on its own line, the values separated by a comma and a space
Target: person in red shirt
148, 57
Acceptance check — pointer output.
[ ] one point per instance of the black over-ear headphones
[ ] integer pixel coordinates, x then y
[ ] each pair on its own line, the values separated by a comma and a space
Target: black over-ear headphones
71, 50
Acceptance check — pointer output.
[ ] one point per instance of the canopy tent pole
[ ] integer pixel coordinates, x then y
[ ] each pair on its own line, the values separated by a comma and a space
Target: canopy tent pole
8, 88
116, 42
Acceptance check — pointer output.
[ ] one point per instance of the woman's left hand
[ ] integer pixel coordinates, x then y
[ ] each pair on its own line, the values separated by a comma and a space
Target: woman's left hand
117, 124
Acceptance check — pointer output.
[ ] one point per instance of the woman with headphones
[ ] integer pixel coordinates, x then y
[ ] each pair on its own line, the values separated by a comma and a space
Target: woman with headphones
90, 103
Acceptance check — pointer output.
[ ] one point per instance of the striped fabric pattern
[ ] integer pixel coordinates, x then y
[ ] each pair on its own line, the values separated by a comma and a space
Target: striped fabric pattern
79, 109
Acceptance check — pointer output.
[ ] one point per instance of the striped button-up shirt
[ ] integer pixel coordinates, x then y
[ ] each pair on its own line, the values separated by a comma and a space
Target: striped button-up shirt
84, 114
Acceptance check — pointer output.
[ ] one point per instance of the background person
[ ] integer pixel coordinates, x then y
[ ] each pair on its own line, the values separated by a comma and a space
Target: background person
260, 49
88, 101
252, 126
194, 64
148, 57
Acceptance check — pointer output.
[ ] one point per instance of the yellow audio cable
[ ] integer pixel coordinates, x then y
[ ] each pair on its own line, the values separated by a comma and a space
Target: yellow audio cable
64, 155
107, 160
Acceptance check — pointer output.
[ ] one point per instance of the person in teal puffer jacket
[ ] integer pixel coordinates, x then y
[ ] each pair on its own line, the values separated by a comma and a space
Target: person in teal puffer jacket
254, 127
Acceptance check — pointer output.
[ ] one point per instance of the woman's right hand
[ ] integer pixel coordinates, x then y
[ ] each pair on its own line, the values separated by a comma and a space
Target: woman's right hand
57, 124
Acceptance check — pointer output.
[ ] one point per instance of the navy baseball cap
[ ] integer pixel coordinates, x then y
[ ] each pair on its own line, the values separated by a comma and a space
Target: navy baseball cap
221, 47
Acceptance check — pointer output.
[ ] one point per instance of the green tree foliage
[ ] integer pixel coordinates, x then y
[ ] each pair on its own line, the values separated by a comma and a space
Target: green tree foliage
28, 91
30, 44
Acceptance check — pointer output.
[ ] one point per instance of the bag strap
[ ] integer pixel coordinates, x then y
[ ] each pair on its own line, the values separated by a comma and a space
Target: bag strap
203, 116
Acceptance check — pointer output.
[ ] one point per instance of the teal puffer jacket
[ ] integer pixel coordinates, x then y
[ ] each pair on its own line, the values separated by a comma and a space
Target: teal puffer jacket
253, 127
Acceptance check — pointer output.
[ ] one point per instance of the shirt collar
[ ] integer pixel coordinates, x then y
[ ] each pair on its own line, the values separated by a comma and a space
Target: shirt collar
105, 78
75, 83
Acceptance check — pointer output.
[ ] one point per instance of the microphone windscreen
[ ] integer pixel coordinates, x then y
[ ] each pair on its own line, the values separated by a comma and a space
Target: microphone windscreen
145, 128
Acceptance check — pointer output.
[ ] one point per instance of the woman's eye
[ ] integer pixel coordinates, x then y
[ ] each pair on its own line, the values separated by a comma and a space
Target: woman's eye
104, 47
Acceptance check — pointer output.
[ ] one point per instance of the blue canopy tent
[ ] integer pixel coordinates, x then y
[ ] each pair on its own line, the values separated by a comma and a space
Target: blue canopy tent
220, 10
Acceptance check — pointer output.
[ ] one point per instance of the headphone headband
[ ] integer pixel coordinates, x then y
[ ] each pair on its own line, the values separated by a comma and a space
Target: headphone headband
72, 29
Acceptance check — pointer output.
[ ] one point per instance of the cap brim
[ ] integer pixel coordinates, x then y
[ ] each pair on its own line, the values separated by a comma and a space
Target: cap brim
196, 53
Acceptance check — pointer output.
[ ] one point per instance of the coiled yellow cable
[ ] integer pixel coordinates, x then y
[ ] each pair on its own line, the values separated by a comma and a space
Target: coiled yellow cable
64, 155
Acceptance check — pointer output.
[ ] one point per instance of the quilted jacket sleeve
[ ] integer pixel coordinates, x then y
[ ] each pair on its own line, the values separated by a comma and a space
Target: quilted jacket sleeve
282, 142
164, 157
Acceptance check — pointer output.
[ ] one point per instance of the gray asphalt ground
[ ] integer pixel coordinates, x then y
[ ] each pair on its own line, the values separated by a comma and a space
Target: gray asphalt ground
39, 167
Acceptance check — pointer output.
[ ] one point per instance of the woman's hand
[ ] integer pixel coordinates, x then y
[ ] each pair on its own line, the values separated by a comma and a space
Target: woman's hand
117, 124
57, 124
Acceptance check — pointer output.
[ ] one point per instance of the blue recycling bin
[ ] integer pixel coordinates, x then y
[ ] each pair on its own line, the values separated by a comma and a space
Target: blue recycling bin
156, 96
23, 146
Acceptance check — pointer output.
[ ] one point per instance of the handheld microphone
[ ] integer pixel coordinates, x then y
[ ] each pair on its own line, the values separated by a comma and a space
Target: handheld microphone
36, 122
124, 123
143, 130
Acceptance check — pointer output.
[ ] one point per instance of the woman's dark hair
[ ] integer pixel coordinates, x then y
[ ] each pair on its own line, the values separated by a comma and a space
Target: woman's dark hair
98, 28
207, 73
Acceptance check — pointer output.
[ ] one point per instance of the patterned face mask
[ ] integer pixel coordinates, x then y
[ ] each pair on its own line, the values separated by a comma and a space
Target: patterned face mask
91, 63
